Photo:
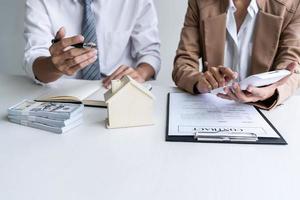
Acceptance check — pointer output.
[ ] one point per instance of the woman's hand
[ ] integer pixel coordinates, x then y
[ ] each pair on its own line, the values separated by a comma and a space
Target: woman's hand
254, 94
251, 95
215, 77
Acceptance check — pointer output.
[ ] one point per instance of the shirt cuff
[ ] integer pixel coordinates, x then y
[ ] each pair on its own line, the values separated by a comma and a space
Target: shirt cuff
153, 61
29, 64
269, 103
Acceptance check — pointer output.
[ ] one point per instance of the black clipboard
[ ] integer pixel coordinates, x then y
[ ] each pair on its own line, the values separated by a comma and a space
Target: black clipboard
266, 141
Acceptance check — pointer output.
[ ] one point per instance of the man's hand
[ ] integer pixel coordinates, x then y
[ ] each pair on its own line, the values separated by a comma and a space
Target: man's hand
215, 77
64, 59
254, 94
142, 73
68, 60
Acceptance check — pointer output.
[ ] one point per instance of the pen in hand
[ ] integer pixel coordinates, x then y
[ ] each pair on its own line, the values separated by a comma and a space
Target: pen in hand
79, 45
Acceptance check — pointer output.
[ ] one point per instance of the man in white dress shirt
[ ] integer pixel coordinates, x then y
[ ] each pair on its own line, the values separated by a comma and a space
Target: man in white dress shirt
125, 32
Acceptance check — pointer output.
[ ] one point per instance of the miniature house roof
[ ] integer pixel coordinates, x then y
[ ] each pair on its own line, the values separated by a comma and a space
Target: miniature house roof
120, 84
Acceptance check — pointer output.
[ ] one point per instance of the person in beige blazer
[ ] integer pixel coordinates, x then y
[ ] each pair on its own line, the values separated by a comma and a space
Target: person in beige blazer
275, 45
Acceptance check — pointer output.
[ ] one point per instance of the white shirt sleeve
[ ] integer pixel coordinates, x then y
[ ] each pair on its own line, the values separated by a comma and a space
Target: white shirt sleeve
145, 37
37, 33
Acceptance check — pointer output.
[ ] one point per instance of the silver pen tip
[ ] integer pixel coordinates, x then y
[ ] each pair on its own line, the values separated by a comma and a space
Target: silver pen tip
89, 45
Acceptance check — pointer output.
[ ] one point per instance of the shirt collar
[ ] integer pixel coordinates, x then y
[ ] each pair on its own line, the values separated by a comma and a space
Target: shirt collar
231, 6
252, 8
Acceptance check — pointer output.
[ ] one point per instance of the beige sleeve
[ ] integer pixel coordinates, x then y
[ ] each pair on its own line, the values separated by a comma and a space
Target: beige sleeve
186, 64
288, 52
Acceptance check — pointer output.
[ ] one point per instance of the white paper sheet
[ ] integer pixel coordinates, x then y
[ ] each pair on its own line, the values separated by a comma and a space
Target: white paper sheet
188, 113
81, 89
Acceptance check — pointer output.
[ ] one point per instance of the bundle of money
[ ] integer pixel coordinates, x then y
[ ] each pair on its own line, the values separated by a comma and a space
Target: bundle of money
48, 116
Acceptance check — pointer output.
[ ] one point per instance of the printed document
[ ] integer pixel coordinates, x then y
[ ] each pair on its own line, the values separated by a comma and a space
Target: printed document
203, 113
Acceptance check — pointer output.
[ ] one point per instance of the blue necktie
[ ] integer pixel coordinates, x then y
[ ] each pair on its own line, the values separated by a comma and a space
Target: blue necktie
91, 72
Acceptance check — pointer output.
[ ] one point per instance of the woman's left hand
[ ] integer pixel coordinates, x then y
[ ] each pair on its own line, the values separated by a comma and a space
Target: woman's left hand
254, 94
251, 95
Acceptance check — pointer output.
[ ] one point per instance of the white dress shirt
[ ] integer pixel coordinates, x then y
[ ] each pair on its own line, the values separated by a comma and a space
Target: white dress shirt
239, 45
127, 31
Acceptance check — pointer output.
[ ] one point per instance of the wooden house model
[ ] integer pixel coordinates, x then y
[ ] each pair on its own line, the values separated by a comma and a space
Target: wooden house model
129, 104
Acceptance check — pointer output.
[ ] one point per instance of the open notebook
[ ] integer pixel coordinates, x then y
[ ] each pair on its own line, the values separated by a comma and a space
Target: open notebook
90, 93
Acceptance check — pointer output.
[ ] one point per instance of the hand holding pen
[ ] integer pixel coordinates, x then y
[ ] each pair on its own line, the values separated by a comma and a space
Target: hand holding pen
78, 45
70, 55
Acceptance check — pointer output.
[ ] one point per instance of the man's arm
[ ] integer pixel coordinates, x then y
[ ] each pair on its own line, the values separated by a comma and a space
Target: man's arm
47, 65
44, 70
143, 73
145, 39
64, 60
145, 47
37, 35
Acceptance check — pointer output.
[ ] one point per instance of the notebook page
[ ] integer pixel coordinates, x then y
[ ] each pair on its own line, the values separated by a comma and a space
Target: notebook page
64, 88
97, 95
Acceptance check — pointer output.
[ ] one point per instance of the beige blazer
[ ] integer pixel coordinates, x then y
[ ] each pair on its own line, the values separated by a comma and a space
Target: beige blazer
276, 42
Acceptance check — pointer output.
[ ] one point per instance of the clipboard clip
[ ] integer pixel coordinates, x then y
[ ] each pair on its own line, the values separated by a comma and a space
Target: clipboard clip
226, 136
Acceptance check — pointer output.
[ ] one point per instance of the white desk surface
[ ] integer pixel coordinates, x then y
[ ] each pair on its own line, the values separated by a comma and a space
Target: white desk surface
92, 163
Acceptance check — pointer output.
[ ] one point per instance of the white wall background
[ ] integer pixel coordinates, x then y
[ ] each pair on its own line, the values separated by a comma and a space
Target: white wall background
170, 13
11, 40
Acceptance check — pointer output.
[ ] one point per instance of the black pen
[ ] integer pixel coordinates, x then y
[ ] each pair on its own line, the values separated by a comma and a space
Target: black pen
79, 45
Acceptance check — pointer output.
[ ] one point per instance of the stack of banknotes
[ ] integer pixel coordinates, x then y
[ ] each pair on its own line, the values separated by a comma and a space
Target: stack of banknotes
53, 117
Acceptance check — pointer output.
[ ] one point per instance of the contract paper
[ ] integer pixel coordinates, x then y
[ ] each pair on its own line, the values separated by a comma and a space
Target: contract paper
188, 114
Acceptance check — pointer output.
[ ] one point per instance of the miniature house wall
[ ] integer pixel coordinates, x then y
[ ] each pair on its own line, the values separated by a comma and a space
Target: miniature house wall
130, 105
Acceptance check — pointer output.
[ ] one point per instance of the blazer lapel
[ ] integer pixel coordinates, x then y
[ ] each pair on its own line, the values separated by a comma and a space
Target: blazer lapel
265, 42
214, 39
